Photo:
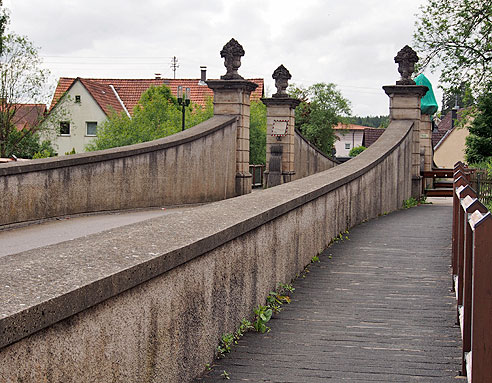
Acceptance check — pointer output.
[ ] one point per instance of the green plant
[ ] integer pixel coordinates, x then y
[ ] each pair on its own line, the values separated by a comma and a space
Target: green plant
70, 152
231, 338
257, 133
315, 259
356, 151
226, 343
411, 202
262, 315
41, 154
244, 327
408, 203
225, 375
283, 287
208, 367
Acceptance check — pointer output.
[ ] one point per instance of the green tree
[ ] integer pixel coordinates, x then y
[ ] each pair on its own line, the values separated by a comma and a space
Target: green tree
21, 80
461, 96
372, 121
356, 151
156, 115
479, 142
322, 107
257, 133
456, 36
32, 145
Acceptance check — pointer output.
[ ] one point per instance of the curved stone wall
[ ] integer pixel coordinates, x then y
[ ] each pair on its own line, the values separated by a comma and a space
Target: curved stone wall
197, 165
308, 159
149, 302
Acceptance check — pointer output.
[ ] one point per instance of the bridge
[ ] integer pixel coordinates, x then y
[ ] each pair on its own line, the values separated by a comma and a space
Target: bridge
150, 301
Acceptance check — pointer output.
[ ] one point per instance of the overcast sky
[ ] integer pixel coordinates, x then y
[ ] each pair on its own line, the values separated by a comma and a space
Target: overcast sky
351, 43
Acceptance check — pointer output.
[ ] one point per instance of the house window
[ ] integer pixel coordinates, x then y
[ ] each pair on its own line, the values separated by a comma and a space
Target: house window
64, 128
77, 99
347, 146
91, 128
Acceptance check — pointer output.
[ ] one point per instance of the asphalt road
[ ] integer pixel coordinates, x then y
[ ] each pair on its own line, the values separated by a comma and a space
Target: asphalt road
58, 230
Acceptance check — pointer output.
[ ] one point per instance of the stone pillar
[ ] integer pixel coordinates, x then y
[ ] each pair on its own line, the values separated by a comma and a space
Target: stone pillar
280, 167
426, 144
280, 137
405, 99
232, 97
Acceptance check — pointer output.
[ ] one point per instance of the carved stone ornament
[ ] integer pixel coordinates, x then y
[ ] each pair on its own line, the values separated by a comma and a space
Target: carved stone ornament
281, 76
232, 53
406, 60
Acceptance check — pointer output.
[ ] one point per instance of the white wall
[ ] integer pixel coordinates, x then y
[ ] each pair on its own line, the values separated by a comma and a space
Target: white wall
352, 137
78, 114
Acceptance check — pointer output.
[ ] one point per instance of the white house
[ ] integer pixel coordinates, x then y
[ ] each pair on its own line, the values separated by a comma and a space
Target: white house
348, 136
87, 102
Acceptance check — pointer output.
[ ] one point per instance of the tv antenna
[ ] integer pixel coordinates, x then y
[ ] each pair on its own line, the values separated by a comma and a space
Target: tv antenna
174, 65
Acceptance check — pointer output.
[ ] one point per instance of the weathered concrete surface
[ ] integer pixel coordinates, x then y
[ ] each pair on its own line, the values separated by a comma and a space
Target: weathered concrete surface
49, 232
148, 302
380, 310
308, 159
197, 165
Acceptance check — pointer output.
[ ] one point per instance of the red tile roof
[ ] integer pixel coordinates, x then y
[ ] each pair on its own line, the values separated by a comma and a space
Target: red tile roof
341, 126
104, 95
130, 90
28, 115
371, 135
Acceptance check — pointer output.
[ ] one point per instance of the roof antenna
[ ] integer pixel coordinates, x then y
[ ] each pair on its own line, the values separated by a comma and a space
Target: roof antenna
174, 65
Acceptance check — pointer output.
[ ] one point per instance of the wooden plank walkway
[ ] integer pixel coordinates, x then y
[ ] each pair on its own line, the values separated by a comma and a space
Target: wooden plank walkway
380, 310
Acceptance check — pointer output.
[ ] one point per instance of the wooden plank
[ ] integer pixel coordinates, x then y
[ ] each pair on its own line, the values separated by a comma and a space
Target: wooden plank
439, 192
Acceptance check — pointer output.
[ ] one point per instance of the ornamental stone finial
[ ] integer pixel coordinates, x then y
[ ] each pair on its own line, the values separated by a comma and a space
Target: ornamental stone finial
406, 60
281, 76
232, 53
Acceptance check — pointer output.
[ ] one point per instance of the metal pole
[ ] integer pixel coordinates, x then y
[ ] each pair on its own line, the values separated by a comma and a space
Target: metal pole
183, 118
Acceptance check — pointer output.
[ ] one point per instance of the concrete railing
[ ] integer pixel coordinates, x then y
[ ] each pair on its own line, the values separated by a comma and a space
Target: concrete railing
197, 165
472, 270
308, 159
149, 302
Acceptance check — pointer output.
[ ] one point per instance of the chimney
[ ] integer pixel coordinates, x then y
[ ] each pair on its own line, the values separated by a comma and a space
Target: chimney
203, 76
158, 76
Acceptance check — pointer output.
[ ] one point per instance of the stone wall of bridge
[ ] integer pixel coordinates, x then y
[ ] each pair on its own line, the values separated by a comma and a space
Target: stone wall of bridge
308, 159
194, 166
149, 302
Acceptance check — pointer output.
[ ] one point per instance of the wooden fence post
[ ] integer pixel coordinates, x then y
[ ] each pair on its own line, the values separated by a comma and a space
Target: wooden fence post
481, 334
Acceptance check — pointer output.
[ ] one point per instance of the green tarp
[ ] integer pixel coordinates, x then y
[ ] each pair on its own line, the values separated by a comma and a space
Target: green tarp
428, 104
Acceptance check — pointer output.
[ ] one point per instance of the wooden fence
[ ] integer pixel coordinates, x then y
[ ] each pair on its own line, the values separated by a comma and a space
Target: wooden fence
481, 182
472, 270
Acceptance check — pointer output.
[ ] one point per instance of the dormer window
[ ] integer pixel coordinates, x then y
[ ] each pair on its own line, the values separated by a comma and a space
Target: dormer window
77, 99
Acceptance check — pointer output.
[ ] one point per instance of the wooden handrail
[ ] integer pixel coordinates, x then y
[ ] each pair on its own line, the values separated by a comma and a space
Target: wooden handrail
472, 268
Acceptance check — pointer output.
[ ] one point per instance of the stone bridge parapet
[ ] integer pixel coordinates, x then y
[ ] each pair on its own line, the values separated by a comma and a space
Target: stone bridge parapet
148, 302
194, 166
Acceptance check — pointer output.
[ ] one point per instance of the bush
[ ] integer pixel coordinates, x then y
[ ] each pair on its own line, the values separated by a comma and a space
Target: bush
356, 151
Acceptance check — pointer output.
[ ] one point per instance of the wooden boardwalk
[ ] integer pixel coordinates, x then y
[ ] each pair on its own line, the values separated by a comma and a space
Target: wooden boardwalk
380, 310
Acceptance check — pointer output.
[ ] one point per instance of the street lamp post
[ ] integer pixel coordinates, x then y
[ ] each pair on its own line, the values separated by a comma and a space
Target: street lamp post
184, 101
